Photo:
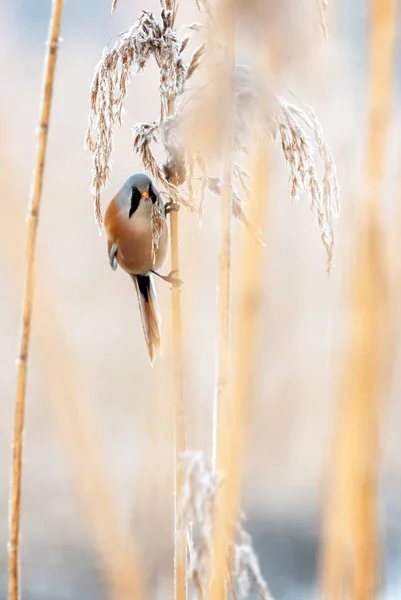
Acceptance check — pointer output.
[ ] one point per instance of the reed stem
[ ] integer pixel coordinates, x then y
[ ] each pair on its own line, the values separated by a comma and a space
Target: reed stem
227, 8
351, 550
27, 303
180, 552
232, 431
180, 547
222, 402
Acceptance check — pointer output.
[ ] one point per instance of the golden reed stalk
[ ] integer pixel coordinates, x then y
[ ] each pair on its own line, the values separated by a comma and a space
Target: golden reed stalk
233, 423
228, 8
350, 549
180, 549
35, 198
180, 545
224, 516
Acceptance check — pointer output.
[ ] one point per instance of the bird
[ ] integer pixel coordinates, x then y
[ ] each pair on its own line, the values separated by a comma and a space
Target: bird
128, 226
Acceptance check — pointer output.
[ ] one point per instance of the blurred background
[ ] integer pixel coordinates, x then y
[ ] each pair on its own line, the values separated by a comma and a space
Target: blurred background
95, 358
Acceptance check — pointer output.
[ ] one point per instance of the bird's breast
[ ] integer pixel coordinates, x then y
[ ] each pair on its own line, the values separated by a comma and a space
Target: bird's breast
133, 237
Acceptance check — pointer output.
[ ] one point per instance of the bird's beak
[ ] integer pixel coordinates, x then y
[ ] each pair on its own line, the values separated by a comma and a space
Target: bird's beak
145, 195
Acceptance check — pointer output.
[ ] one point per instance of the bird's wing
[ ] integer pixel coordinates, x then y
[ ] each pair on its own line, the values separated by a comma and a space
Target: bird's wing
112, 254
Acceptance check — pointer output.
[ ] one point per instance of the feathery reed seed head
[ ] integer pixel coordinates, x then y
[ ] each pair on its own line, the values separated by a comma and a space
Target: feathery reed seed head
191, 142
197, 502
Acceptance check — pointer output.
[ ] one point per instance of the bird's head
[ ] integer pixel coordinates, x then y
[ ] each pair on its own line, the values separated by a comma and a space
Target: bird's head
137, 188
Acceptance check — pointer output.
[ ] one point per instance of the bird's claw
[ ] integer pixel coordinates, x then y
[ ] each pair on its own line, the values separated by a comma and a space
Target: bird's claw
171, 207
175, 282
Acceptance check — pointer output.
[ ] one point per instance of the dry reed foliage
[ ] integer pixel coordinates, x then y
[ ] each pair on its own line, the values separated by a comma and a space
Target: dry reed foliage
350, 552
194, 141
197, 508
27, 302
145, 39
294, 126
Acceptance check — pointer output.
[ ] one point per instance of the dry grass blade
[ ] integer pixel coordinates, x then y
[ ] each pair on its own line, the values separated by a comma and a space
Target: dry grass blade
35, 198
350, 551
195, 60
113, 6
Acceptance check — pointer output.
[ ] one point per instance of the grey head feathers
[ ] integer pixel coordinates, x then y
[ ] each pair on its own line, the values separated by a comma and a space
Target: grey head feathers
140, 181
130, 195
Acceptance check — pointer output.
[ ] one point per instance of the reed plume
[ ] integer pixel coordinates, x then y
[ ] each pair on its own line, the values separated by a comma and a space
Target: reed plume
27, 302
197, 510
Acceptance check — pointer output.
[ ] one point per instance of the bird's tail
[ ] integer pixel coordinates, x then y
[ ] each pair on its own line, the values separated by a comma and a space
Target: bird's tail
150, 314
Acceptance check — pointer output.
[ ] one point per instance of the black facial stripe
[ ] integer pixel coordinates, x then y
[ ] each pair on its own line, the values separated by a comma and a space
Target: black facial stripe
135, 199
152, 194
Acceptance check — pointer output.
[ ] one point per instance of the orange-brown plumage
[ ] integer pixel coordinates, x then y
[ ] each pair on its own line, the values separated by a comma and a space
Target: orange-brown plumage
128, 224
134, 239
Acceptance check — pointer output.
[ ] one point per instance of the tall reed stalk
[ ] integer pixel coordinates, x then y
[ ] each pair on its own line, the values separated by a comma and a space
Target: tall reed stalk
180, 544
180, 552
350, 557
222, 400
27, 302
229, 9
232, 425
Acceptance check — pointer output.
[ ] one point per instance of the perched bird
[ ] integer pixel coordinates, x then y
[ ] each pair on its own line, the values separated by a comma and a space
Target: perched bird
128, 224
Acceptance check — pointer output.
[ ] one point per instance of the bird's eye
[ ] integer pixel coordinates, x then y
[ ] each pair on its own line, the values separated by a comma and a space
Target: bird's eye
152, 194
135, 199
